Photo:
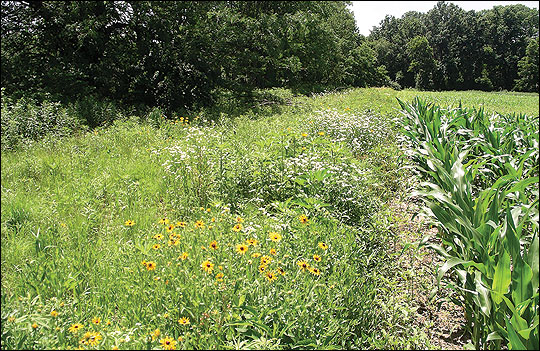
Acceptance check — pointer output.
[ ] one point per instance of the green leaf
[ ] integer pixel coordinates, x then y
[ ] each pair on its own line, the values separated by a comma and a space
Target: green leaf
494, 336
449, 265
532, 260
510, 236
241, 300
502, 278
521, 281
513, 337
482, 299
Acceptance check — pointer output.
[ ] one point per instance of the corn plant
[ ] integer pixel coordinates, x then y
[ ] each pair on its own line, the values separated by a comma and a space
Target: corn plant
481, 188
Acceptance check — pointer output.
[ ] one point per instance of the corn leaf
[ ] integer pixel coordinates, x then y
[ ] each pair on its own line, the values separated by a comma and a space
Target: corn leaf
502, 278
521, 281
515, 341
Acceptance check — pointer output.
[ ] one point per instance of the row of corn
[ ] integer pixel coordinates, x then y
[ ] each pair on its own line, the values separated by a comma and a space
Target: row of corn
479, 185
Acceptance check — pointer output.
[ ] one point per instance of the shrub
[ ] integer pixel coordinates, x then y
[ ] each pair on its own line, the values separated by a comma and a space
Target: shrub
26, 120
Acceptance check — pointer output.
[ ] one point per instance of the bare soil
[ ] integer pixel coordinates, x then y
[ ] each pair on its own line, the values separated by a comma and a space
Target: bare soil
443, 320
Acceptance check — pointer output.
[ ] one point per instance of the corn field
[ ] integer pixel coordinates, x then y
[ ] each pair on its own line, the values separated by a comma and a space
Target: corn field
480, 188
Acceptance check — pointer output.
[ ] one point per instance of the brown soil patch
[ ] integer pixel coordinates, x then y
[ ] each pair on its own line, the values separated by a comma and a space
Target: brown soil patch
443, 321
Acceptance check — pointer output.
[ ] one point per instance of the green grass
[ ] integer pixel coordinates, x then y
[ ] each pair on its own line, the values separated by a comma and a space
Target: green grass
65, 245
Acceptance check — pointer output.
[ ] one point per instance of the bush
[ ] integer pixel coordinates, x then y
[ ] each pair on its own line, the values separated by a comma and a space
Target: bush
26, 120
95, 112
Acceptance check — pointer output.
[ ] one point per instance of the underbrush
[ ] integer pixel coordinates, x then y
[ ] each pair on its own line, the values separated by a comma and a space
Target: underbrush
265, 229
254, 233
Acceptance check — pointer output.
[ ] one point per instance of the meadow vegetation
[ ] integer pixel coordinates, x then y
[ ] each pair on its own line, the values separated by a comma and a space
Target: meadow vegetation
263, 226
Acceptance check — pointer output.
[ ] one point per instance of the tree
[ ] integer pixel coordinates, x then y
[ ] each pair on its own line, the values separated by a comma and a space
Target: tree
507, 30
422, 64
178, 55
528, 69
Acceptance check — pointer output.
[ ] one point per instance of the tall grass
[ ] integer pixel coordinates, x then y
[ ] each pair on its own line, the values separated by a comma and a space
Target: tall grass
81, 213
68, 245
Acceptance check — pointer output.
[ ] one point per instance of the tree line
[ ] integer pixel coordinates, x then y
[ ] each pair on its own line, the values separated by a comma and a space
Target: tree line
182, 54
449, 48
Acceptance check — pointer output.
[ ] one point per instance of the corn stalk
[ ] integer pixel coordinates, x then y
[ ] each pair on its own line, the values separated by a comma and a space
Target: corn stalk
480, 187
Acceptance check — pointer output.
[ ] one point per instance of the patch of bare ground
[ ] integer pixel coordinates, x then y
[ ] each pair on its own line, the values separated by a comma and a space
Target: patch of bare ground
443, 321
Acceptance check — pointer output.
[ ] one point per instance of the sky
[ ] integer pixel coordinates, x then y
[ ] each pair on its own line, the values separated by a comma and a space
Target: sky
371, 13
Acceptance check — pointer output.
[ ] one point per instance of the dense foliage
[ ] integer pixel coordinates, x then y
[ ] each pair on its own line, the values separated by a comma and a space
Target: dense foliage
177, 54
183, 55
449, 48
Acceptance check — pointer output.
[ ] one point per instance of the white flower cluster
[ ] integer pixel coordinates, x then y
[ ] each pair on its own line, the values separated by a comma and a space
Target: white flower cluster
315, 168
359, 132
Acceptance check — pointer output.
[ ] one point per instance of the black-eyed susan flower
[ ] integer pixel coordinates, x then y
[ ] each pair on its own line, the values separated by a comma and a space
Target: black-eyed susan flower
184, 321
108, 322
273, 251
275, 237
184, 256
239, 219
91, 338
207, 266
271, 276
170, 228
168, 343
173, 242
262, 268
304, 135
155, 334
219, 277
317, 258
156, 246
54, 313
163, 221
315, 271
150, 265
280, 271
143, 262
321, 133
303, 219
252, 242
237, 227
199, 224
241, 248
266, 260
75, 327
181, 224
158, 236
303, 265
129, 223
323, 246
214, 245
96, 320
256, 254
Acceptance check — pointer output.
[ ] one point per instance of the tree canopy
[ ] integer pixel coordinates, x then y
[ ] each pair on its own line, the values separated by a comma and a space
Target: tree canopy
464, 49
179, 54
